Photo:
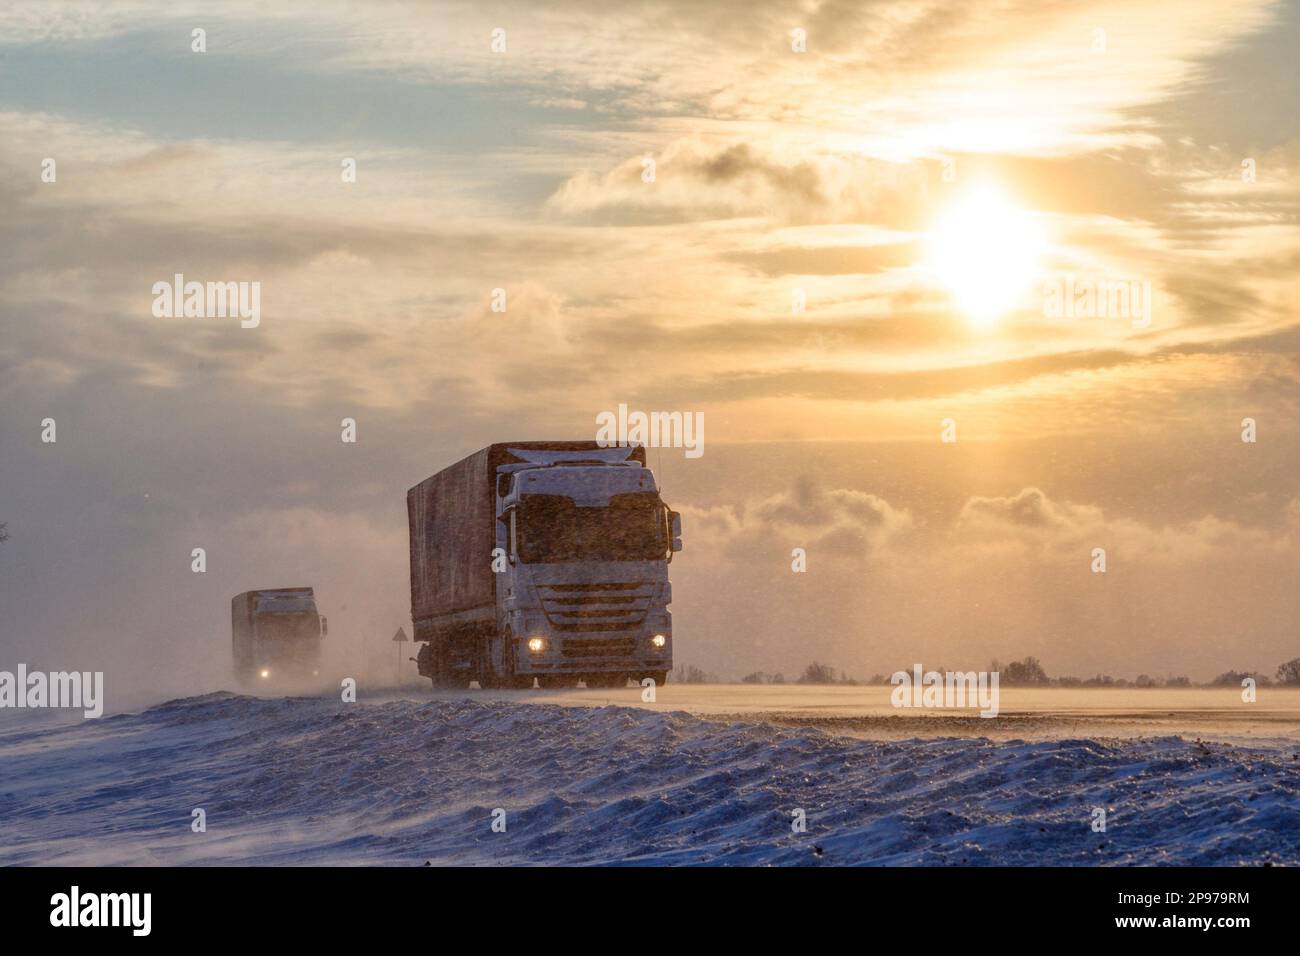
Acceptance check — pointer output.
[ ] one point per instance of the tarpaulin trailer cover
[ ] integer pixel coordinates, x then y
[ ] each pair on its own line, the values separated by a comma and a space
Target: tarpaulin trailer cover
451, 517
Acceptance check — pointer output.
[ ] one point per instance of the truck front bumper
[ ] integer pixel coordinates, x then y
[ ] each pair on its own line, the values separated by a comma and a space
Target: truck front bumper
598, 653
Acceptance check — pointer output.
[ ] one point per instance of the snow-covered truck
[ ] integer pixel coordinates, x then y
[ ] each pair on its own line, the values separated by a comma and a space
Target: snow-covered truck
276, 634
544, 560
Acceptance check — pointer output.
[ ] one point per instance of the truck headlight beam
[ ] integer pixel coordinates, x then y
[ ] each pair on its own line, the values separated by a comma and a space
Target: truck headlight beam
659, 641
536, 645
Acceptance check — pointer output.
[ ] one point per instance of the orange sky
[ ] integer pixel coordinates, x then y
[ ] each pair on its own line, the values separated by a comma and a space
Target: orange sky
799, 268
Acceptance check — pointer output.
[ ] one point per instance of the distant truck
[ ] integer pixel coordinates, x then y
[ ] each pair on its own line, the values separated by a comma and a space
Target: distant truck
276, 634
544, 560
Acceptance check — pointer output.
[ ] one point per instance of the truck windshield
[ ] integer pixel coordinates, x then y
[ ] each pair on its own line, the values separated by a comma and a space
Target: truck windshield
552, 528
287, 627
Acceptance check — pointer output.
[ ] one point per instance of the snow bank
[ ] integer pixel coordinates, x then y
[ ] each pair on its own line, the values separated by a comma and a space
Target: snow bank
296, 781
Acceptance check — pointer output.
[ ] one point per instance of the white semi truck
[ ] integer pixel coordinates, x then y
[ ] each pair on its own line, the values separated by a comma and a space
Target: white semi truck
276, 634
542, 560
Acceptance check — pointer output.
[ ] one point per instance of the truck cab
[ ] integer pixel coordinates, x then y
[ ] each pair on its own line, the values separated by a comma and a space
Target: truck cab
587, 540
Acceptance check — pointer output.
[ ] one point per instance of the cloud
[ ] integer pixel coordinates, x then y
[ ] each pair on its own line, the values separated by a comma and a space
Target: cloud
695, 181
1064, 531
998, 576
842, 385
829, 260
854, 522
839, 521
1029, 509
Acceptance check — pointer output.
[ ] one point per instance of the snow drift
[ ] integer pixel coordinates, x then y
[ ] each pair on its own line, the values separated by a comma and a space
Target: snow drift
311, 781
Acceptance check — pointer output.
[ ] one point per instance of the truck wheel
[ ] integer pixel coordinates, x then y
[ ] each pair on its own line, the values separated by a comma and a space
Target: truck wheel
513, 680
442, 677
552, 681
487, 677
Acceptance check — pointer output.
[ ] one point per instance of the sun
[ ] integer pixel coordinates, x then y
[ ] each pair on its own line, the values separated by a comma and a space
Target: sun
986, 250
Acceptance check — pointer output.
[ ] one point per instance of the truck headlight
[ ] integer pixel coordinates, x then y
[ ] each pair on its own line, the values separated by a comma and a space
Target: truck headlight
659, 640
536, 645
266, 673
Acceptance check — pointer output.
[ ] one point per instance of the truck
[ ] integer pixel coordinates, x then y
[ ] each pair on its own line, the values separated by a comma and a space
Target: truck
546, 561
276, 634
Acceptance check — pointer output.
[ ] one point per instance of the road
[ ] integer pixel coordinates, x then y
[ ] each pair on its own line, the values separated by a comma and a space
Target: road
1024, 713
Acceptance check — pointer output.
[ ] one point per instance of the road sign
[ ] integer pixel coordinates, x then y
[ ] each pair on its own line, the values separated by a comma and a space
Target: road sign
400, 637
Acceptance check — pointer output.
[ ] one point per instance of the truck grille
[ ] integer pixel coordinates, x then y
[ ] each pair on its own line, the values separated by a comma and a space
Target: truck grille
597, 647
596, 607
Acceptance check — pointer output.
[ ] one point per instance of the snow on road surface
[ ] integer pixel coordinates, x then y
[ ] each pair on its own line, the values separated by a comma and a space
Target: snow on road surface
1025, 713
315, 781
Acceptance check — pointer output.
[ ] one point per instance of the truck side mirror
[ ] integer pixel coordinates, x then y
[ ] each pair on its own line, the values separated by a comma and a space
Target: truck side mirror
675, 523
324, 626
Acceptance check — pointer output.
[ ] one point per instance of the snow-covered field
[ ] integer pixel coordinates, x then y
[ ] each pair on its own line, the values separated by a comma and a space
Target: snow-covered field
409, 780
1025, 713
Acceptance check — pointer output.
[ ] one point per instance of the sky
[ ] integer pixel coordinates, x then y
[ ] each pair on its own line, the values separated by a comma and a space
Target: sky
832, 228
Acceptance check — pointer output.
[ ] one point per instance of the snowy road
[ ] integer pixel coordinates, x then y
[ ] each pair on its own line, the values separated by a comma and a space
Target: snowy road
1025, 713
287, 781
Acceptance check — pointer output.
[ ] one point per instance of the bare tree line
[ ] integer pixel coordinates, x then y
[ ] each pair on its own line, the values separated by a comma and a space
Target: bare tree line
1028, 672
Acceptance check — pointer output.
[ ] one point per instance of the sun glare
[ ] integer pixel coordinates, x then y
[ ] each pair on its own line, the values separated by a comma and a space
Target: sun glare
986, 251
